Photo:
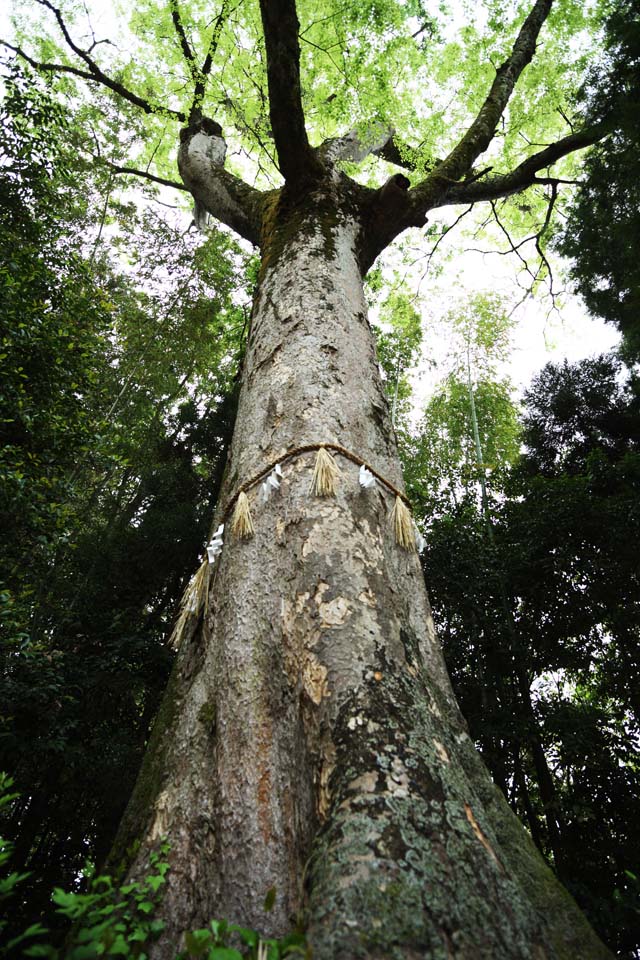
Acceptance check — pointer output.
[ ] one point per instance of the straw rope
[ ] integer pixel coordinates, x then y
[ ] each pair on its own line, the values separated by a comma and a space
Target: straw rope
309, 448
194, 597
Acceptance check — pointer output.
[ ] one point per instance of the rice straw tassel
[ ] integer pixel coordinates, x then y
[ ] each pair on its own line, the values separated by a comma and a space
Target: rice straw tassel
241, 523
325, 474
402, 525
193, 600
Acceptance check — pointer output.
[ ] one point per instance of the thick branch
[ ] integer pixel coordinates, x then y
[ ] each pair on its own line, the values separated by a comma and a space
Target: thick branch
185, 46
298, 162
225, 197
402, 155
482, 131
524, 175
356, 146
381, 141
381, 231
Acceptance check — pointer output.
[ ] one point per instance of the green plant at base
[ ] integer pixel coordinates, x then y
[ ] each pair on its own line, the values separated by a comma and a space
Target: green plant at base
212, 943
106, 921
112, 920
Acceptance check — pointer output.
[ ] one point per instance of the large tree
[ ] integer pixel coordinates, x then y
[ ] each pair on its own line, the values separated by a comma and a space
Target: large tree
309, 740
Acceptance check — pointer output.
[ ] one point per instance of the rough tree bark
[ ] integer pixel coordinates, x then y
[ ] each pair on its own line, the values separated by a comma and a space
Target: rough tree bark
309, 740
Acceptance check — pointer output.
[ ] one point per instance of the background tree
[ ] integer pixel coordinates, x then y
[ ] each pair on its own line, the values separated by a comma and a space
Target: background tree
560, 558
602, 230
112, 453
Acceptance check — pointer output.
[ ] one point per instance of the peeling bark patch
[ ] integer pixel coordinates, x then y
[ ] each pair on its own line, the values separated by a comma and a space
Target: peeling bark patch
326, 769
368, 598
397, 780
440, 750
314, 679
366, 783
160, 826
334, 613
475, 826
301, 664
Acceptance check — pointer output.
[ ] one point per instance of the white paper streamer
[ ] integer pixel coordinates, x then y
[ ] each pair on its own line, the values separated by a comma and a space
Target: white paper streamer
420, 540
365, 478
214, 548
271, 483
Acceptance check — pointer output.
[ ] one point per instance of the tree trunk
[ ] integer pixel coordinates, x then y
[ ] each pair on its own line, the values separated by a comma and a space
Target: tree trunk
309, 739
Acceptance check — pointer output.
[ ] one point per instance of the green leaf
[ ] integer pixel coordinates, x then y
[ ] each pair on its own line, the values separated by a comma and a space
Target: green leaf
197, 942
270, 899
250, 937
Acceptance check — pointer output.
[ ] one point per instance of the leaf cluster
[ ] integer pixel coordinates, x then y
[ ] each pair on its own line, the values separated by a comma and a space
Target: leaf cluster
601, 236
120, 339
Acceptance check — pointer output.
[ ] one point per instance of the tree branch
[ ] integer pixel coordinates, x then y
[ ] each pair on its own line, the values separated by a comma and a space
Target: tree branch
201, 81
132, 171
94, 74
298, 163
182, 37
227, 198
403, 155
482, 130
355, 146
524, 175
381, 141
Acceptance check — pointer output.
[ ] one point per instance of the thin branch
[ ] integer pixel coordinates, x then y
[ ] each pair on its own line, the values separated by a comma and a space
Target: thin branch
316, 46
543, 229
446, 232
514, 248
96, 75
131, 171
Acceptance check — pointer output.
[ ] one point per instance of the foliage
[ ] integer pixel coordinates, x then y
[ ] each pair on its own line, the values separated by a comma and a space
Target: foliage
112, 919
106, 920
212, 943
540, 627
423, 67
113, 447
442, 465
470, 430
602, 233
399, 339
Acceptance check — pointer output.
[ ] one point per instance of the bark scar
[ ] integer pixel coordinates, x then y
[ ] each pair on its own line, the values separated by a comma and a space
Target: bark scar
475, 826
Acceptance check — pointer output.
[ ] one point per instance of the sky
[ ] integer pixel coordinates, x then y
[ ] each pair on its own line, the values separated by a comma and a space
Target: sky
543, 333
